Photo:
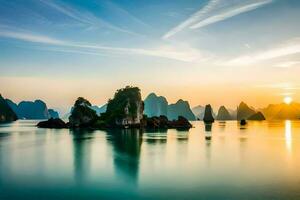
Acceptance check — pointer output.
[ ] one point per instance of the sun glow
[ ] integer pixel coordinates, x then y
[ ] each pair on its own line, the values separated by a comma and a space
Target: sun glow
287, 100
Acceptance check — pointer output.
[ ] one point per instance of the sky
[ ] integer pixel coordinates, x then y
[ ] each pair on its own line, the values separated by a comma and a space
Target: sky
204, 51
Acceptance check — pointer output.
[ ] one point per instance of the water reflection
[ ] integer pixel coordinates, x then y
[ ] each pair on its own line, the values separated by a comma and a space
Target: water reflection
288, 135
127, 147
82, 154
208, 133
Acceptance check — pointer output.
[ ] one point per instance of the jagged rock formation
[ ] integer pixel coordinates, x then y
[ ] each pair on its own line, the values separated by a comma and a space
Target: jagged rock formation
282, 111
208, 117
82, 115
53, 114
126, 108
257, 117
223, 114
52, 123
180, 108
155, 105
32, 110
6, 112
244, 111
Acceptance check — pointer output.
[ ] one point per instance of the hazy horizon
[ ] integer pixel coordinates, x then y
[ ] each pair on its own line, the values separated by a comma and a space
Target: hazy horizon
206, 51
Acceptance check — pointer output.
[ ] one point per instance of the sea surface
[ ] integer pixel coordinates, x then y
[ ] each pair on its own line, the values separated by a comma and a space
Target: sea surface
224, 161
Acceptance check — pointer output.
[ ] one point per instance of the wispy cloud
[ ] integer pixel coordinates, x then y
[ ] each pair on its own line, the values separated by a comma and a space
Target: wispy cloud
192, 19
28, 37
229, 13
287, 64
215, 11
185, 54
84, 17
290, 48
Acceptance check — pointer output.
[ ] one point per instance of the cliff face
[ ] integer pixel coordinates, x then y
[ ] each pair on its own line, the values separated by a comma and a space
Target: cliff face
126, 108
6, 112
180, 108
223, 114
208, 117
244, 111
155, 105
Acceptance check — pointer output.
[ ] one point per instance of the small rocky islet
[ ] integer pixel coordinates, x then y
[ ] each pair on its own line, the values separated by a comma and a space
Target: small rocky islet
124, 110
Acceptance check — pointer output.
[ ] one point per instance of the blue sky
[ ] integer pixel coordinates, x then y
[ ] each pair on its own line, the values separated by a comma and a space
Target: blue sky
176, 48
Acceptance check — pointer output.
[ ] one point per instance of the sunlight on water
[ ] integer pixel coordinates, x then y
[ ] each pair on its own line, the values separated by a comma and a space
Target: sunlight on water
219, 161
288, 135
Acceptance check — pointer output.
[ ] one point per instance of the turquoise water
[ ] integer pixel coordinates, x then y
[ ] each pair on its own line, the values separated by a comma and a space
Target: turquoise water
259, 161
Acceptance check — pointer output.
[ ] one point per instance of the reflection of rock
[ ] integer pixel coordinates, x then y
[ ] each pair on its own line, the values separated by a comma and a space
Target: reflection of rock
208, 127
223, 114
81, 154
257, 116
127, 146
208, 118
52, 123
6, 113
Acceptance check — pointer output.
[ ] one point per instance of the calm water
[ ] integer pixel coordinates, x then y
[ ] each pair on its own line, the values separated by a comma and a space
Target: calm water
260, 161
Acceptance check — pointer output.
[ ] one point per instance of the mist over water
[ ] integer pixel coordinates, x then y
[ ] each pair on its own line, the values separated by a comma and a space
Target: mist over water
223, 161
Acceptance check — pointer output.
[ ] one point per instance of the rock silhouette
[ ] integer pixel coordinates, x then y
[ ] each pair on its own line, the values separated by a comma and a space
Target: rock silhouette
208, 118
155, 105
180, 108
223, 114
257, 116
52, 123
244, 111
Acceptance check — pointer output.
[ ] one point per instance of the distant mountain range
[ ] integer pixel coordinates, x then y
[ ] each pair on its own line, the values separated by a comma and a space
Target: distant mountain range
282, 111
157, 105
32, 110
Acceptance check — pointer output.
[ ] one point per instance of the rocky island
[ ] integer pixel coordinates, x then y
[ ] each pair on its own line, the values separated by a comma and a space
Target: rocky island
124, 110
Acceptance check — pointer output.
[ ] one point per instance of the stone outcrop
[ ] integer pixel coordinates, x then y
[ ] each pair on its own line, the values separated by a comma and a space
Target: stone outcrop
244, 111
126, 108
6, 112
82, 115
155, 105
257, 117
53, 123
162, 122
180, 108
208, 117
223, 114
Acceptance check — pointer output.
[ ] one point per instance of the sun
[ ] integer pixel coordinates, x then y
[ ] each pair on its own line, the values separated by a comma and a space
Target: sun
287, 100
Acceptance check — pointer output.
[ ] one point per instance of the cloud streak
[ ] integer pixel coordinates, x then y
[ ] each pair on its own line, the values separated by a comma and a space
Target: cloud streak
230, 13
170, 52
192, 19
214, 11
276, 52
84, 17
